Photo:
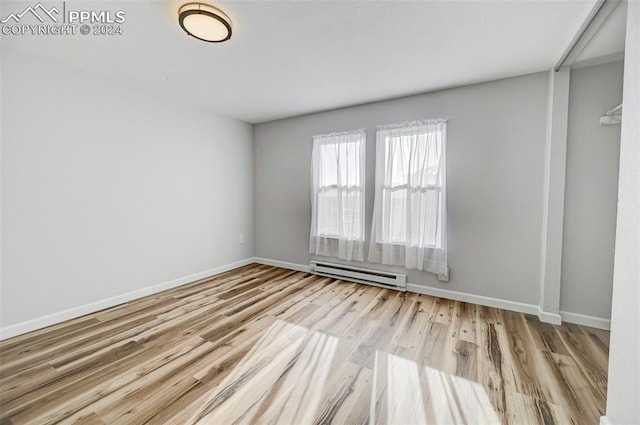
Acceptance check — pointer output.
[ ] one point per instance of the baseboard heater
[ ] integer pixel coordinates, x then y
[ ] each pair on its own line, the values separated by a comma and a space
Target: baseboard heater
361, 275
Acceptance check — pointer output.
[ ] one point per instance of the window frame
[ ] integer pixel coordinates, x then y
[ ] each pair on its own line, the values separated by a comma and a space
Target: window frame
406, 187
361, 188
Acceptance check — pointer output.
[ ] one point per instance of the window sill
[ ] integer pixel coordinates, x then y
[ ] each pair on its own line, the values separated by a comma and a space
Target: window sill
404, 245
336, 238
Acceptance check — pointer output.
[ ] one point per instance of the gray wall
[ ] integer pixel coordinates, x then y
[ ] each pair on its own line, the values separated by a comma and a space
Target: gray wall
106, 190
495, 160
591, 193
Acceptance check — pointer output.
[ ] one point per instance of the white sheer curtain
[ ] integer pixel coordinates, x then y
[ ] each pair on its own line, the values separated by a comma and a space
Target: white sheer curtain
410, 216
337, 195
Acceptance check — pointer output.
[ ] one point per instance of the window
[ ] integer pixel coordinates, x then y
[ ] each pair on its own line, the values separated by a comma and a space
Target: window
409, 222
337, 195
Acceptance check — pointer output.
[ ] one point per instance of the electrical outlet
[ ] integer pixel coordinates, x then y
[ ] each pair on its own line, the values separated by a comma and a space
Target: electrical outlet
241, 238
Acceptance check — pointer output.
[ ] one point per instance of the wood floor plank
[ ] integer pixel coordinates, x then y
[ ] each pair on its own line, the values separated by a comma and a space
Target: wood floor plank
74, 348
545, 336
530, 367
490, 365
29, 340
589, 356
262, 344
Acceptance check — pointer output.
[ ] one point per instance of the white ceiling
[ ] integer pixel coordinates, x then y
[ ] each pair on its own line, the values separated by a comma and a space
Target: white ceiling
288, 58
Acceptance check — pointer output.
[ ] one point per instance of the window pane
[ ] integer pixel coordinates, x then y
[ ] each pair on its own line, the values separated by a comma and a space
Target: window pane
412, 169
398, 155
340, 163
394, 230
328, 212
352, 213
425, 218
337, 186
329, 165
426, 160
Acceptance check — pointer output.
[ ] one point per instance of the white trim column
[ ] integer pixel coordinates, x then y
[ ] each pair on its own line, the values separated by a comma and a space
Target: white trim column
623, 391
553, 196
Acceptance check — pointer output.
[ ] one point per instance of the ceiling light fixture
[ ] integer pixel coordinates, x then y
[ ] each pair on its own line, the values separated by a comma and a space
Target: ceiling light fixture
205, 22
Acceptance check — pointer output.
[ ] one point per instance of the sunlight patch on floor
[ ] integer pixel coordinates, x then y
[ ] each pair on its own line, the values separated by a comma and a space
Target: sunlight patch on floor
267, 360
403, 392
283, 379
303, 389
405, 401
291, 364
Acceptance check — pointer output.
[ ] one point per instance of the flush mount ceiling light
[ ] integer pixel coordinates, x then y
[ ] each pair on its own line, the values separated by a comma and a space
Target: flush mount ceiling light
205, 22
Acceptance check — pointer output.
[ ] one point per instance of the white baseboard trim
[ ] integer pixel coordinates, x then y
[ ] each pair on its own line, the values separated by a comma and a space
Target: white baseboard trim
605, 421
283, 264
74, 312
474, 299
549, 317
585, 320
544, 316
427, 290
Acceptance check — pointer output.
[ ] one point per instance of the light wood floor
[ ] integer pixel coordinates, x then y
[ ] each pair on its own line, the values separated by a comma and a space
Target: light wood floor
267, 345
